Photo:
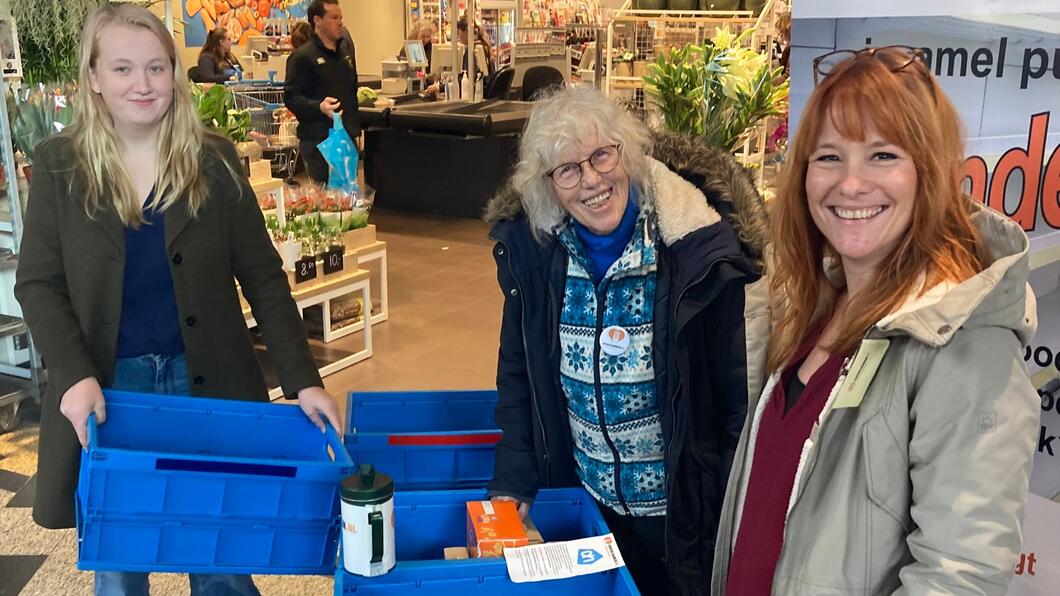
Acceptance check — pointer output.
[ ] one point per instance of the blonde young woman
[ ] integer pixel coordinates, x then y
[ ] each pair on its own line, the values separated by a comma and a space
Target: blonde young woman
137, 227
891, 448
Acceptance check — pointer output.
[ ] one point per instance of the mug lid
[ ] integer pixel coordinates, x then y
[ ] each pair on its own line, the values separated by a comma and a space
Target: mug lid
367, 486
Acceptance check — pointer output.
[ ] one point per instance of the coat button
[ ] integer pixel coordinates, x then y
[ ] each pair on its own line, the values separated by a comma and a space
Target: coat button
190, 321
199, 380
500, 251
944, 329
178, 258
514, 292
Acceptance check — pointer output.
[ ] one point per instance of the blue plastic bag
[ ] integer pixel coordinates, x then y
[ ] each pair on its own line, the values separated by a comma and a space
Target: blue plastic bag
338, 150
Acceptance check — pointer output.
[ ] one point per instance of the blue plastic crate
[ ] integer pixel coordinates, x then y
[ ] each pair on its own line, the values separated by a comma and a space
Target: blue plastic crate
200, 479
425, 440
427, 522
188, 546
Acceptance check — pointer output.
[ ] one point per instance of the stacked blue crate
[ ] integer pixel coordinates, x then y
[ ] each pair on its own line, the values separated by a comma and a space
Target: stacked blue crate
200, 485
438, 447
424, 440
427, 522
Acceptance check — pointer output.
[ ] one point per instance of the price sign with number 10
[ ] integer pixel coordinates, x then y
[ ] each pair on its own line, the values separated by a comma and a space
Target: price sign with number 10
333, 259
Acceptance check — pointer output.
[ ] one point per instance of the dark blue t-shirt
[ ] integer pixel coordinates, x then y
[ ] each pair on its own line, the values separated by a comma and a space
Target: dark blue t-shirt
150, 322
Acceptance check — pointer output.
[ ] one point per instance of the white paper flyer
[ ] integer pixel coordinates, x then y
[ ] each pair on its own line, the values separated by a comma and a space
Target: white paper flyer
559, 560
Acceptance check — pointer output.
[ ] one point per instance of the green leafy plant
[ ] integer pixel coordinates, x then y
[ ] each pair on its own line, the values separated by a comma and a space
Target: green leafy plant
57, 62
217, 111
38, 112
49, 34
717, 91
675, 84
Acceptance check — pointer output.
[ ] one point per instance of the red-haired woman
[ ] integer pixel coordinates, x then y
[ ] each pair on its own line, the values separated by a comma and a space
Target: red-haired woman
890, 449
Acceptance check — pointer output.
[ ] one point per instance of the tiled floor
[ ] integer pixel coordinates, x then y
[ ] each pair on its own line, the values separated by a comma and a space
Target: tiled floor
442, 334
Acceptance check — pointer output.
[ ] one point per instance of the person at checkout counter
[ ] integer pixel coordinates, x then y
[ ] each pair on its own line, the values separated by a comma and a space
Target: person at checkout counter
216, 63
423, 32
480, 39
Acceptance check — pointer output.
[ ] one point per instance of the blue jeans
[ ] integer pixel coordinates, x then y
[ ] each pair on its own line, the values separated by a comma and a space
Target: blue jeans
154, 373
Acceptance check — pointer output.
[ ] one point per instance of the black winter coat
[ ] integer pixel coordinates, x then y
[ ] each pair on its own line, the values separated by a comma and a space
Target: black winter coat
699, 345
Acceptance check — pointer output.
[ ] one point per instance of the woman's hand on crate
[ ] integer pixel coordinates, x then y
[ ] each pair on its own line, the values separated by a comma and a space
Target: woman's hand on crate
81, 399
521, 507
315, 402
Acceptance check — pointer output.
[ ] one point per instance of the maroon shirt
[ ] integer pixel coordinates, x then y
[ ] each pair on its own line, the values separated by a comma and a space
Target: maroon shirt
778, 447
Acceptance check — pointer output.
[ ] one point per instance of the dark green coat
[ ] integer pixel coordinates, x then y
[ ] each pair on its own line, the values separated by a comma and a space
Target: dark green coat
69, 284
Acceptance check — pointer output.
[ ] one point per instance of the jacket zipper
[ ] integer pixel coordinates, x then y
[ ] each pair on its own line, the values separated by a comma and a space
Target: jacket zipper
598, 389
529, 372
680, 298
673, 398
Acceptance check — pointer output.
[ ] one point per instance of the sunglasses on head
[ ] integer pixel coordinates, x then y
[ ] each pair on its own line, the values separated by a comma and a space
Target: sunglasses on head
896, 58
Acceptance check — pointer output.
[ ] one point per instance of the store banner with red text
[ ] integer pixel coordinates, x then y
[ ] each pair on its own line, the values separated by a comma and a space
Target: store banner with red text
999, 63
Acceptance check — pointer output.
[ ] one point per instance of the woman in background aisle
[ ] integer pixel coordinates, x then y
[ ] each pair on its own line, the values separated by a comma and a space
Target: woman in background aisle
138, 223
890, 451
217, 64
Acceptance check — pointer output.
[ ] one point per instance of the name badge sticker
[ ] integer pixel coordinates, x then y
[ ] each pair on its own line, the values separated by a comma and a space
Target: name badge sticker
862, 370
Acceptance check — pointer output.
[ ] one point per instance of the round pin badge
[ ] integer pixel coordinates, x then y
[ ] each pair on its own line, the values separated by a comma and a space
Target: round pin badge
614, 340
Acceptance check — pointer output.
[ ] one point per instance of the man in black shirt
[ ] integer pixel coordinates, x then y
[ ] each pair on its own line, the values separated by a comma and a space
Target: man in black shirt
322, 80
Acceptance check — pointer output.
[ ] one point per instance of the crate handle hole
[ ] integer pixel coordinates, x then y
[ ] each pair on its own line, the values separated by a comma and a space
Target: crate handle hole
221, 467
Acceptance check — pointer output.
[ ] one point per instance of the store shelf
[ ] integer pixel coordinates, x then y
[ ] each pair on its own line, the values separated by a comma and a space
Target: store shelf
627, 83
313, 292
692, 15
372, 257
374, 246
8, 259
261, 186
14, 389
321, 293
10, 325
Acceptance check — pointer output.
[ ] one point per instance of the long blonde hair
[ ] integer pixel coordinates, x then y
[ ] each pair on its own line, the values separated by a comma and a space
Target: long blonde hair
96, 142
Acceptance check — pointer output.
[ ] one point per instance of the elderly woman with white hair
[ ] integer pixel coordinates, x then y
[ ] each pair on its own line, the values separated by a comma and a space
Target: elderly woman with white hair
625, 261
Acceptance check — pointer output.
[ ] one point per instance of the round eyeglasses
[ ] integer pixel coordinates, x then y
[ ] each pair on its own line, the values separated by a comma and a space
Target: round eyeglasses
602, 160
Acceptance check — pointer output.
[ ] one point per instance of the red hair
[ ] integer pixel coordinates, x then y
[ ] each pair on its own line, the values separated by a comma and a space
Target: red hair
907, 108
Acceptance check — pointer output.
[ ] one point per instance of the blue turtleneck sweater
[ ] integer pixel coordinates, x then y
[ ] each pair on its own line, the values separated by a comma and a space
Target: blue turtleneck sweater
604, 250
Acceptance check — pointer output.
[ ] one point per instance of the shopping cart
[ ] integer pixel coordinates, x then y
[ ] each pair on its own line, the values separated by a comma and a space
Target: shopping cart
273, 124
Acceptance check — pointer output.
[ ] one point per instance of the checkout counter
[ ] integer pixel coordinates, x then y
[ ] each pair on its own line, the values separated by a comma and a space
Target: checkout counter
441, 157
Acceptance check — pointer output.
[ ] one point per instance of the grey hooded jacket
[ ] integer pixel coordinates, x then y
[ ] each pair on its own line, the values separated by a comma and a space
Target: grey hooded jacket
920, 487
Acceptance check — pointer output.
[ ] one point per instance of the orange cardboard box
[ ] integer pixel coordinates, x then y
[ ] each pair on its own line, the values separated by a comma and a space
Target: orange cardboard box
492, 526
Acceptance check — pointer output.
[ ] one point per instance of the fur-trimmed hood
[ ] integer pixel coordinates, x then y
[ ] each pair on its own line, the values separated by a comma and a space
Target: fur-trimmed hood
706, 171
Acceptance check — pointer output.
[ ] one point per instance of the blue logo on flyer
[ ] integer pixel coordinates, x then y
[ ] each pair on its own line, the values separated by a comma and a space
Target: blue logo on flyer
588, 556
